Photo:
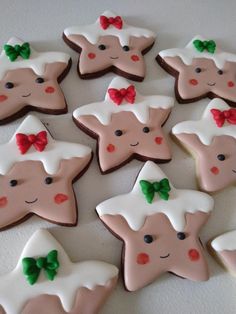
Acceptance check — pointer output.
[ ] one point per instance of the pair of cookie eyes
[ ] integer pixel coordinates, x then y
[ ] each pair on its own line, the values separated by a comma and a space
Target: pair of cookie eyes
103, 47
119, 132
199, 70
10, 85
48, 180
149, 238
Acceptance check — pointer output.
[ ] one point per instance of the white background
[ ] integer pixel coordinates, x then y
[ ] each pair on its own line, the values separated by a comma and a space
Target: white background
175, 23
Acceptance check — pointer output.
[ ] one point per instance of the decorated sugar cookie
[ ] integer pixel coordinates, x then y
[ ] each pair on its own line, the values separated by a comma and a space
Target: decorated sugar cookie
110, 45
212, 141
201, 70
159, 226
29, 80
36, 175
127, 125
46, 281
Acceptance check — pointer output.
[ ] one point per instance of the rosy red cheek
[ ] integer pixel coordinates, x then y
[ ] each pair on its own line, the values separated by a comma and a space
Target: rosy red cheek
60, 198
49, 90
215, 170
91, 55
3, 201
193, 82
143, 258
193, 255
110, 148
230, 84
158, 140
134, 58
3, 98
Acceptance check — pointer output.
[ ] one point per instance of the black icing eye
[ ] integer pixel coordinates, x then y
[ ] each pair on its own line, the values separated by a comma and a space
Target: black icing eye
148, 238
48, 180
181, 235
13, 182
221, 157
39, 80
9, 85
102, 47
220, 72
125, 48
146, 129
118, 132
198, 70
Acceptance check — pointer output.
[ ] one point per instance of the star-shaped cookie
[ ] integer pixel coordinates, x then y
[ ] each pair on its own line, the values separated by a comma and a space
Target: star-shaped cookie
81, 287
36, 176
159, 226
110, 45
127, 125
29, 80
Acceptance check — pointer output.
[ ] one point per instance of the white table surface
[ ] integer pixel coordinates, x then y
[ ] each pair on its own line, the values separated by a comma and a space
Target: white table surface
175, 22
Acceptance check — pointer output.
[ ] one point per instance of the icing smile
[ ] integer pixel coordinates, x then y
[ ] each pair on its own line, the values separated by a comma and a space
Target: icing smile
234, 171
134, 144
26, 95
31, 202
165, 256
211, 84
114, 58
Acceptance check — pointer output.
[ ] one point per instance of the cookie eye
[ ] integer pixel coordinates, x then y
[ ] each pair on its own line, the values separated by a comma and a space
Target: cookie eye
125, 48
198, 70
148, 238
102, 47
39, 80
48, 180
146, 129
13, 182
118, 132
9, 85
221, 157
220, 72
181, 235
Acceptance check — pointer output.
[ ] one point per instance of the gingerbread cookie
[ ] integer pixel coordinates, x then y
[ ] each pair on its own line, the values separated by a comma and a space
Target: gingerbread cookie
201, 70
159, 226
110, 45
46, 281
36, 175
212, 141
29, 80
127, 125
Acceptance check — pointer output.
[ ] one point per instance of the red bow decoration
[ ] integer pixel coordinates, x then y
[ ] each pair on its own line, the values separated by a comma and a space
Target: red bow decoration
24, 142
220, 116
107, 21
117, 95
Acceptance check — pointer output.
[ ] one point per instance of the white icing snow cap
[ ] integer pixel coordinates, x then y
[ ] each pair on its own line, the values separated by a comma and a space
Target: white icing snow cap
226, 241
188, 53
134, 207
37, 60
51, 156
92, 32
103, 110
15, 291
206, 128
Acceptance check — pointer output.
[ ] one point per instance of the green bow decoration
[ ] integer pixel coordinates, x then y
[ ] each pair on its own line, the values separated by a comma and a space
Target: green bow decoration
18, 50
32, 267
208, 45
161, 188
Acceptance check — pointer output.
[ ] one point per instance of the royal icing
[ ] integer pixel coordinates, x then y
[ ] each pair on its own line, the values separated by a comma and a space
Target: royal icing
51, 156
140, 108
190, 52
135, 208
15, 291
92, 32
206, 128
226, 241
37, 60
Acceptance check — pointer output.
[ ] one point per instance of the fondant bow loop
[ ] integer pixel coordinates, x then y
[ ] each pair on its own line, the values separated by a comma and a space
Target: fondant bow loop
118, 95
24, 142
105, 22
202, 45
162, 188
13, 52
32, 267
226, 115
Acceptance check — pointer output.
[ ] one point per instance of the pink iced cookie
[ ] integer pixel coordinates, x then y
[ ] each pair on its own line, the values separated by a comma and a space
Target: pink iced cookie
29, 80
36, 175
127, 125
110, 45
212, 141
201, 70
46, 281
159, 226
